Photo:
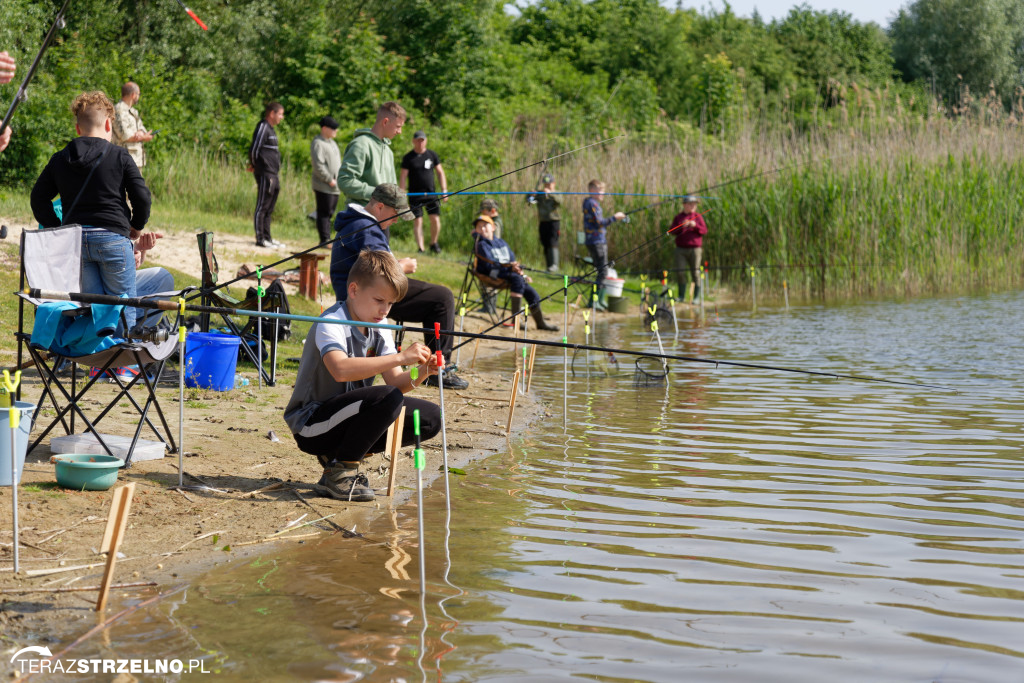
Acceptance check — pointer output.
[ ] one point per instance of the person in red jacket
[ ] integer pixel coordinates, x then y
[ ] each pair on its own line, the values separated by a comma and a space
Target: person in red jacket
689, 229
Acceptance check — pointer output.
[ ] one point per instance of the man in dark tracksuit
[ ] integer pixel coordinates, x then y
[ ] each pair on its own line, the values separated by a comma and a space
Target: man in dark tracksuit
265, 163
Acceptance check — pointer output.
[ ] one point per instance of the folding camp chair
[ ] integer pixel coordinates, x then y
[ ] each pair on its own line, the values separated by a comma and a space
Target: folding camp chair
486, 289
212, 295
52, 259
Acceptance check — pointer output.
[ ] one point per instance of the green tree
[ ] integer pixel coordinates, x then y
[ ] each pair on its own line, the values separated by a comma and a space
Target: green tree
954, 43
831, 47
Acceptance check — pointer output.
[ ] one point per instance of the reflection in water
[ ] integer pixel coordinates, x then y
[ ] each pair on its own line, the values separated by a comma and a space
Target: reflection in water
729, 525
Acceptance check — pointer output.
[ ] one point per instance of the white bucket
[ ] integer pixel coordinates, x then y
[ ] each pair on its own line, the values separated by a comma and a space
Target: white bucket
20, 444
613, 286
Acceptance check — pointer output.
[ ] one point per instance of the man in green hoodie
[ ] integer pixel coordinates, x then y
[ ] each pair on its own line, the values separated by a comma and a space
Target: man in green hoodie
368, 160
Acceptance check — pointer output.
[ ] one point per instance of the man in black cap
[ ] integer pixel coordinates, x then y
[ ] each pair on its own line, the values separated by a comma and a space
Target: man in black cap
418, 167
326, 162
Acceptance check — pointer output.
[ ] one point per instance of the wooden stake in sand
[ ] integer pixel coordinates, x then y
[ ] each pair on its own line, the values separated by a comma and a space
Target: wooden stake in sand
112, 537
529, 367
476, 347
394, 441
512, 403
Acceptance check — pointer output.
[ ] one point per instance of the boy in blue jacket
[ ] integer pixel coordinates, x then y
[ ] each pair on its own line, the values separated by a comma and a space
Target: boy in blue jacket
594, 228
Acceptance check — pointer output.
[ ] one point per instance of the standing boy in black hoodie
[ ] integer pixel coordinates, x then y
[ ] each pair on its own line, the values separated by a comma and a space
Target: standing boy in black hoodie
96, 179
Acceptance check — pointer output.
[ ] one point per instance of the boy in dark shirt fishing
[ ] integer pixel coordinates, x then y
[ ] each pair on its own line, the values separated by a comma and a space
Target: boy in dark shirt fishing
335, 412
594, 229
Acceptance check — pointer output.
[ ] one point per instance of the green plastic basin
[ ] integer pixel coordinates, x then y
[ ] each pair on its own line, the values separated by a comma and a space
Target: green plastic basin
86, 471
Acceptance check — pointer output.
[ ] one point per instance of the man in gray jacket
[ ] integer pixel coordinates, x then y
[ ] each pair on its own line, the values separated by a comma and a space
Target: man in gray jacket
326, 163
368, 160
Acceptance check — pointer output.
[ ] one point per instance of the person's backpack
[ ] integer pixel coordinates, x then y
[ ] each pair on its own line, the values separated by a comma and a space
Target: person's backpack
284, 330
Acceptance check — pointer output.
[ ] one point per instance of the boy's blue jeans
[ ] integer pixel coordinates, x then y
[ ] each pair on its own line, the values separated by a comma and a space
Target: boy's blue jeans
108, 266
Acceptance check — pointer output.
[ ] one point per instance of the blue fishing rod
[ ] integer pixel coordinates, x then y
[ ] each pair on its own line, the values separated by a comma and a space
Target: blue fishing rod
181, 305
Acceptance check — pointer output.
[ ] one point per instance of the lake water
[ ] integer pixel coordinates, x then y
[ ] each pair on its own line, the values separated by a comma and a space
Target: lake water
729, 525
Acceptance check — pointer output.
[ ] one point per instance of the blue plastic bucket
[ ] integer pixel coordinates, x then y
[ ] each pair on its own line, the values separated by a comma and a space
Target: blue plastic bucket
210, 360
20, 444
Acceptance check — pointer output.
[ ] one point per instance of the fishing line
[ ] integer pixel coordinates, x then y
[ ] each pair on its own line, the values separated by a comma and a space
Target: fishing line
171, 306
534, 192
729, 182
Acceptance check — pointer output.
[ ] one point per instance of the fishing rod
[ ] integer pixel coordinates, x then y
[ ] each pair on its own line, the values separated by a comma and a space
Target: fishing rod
559, 276
725, 184
193, 15
22, 94
181, 306
463, 191
764, 266
536, 192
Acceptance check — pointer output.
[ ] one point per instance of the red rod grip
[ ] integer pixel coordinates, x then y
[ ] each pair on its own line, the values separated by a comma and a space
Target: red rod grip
437, 336
196, 19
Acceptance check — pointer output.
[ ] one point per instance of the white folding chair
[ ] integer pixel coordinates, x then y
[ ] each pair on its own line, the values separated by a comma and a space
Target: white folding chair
52, 259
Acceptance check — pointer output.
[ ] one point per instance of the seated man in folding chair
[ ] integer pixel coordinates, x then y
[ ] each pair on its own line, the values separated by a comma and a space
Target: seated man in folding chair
496, 260
92, 177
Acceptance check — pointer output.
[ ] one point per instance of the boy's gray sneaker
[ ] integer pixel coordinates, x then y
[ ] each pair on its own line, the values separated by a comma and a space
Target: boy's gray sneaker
343, 483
